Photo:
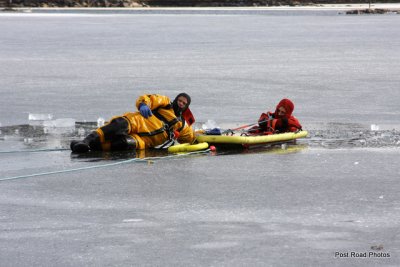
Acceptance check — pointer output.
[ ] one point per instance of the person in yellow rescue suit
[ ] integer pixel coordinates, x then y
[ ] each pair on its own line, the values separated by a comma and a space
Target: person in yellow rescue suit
157, 123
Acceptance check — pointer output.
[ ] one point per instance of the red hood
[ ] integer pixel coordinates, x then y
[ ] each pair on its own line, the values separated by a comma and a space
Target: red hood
288, 105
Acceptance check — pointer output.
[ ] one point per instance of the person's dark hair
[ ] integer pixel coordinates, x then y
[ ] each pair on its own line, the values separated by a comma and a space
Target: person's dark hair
177, 110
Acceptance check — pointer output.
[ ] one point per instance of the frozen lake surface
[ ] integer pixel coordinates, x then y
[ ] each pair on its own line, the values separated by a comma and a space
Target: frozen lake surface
273, 207
309, 204
336, 68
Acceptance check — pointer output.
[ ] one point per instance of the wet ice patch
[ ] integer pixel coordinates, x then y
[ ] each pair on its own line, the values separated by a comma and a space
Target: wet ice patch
59, 126
349, 135
81, 131
60, 123
50, 125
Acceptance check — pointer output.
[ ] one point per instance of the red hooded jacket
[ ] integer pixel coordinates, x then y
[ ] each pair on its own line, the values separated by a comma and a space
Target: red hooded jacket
270, 123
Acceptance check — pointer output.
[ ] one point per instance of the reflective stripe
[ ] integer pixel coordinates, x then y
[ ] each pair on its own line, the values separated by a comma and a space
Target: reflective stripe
168, 125
158, 131
161, 118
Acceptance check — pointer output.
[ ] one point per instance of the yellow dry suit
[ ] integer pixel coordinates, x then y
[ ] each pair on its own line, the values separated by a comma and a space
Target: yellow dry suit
163, 126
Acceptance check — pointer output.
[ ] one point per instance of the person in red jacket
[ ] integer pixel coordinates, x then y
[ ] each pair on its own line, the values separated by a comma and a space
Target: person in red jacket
280, 121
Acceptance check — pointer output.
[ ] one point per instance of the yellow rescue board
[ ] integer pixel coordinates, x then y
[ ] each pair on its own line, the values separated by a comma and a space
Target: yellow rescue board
187, 147
251, 140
